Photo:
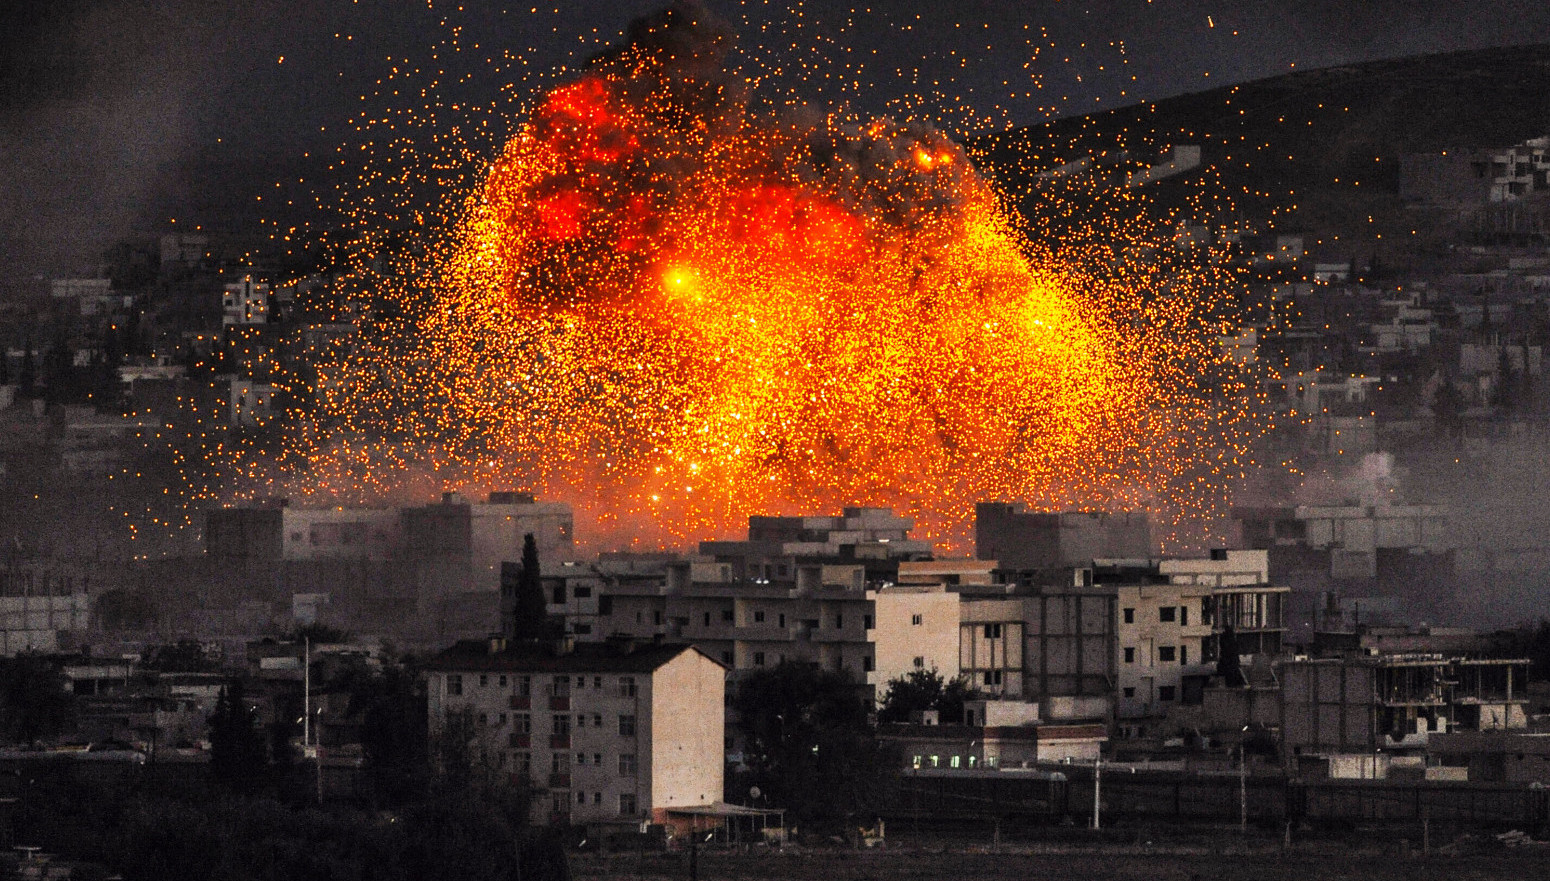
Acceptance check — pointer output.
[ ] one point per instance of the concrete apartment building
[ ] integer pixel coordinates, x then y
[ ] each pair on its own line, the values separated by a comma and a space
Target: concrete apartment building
1049, 640
1022, 539
1400, 553
425, 574
994, 734
830, 615
1393, 703
456, 530
607, 734
1172, 615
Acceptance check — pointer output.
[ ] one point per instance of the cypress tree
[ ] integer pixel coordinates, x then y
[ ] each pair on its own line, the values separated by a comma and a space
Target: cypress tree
532, 610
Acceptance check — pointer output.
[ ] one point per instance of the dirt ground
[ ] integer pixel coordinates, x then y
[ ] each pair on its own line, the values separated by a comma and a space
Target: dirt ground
1396, 861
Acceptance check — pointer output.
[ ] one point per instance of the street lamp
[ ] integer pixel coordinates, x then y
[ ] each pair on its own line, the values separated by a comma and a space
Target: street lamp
1243, 782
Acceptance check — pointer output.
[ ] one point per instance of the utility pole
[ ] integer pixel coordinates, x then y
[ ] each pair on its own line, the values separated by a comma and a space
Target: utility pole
306, 695
1097, 789
1243, 790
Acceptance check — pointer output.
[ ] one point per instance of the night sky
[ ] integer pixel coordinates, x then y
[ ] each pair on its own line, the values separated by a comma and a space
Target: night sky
105, 105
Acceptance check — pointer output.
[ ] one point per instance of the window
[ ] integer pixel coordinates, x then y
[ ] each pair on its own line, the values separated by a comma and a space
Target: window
758, 617
484, 719
484, 680
503, 680
656, 618
627, 725
758, 659
1130, 616
583, 629
782, 620
992, 677
627, 804
917, 620
626, 764
581, 682
522, 762
1165, 692
1184, 616
1130, 692
605, 605
559, 593
524, 686
561, 725
597, 798
561, 686
954, 762
597, 759
839, 622
915, 762
454, 683
522, 723
557, 763
727, 616
1165, 614
500, 719
597, 720
868, 665
866, 621
707, 619
581, 758
1165, 654
726, 658
920, 662
626, 686
581, 720
1183, 654
581, 798
1130, 654
992, 631
583, 593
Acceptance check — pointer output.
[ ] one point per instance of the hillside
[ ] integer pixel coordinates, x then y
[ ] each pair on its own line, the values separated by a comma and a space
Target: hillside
1326, 141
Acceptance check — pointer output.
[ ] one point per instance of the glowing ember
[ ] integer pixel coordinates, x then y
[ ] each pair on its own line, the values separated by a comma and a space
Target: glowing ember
674, 307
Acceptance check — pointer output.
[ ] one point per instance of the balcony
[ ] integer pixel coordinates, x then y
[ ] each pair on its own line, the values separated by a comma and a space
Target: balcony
521, 702
559, 701
559, 741
559, 780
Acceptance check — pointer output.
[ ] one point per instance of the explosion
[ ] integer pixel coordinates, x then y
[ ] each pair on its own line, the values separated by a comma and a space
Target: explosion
673, 306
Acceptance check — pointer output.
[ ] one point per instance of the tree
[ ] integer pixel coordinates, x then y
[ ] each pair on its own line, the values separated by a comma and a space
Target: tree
318, 634
1228, 664
1506, 392
530, 619
236, 746
27, 379
1448, 408
810, 745
35, 701
393, 731
183, 656
925, 690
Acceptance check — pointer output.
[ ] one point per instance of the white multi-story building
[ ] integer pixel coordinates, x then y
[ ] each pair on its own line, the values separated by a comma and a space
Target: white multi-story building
606, 734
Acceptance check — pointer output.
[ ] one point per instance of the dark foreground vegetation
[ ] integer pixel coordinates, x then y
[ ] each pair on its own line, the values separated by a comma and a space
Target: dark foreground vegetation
155, 835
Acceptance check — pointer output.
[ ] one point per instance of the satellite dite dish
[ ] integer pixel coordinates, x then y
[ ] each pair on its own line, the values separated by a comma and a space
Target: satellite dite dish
753, 792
